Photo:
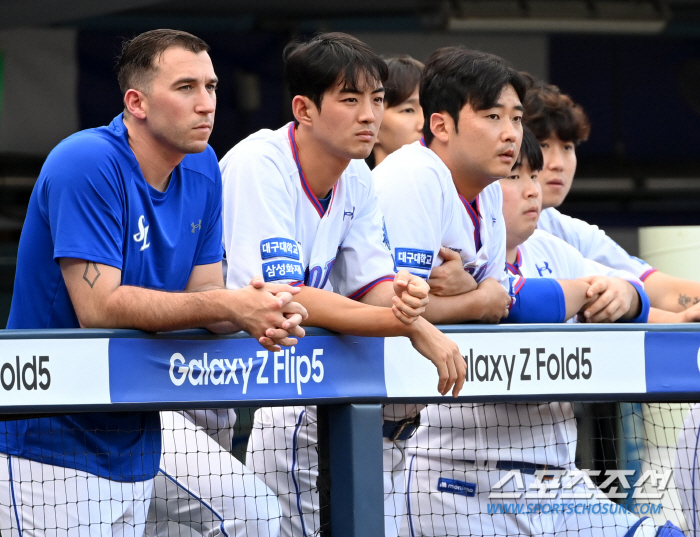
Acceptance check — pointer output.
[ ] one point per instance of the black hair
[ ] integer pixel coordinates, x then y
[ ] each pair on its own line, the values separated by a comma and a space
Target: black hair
404, 76
136, 65
455, 76
549, 112
312, 67
531, 151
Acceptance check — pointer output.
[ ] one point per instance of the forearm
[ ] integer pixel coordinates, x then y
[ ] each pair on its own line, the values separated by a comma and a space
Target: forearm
661, 316
671, 294
574, 295
159, 311
341, 314
456, 309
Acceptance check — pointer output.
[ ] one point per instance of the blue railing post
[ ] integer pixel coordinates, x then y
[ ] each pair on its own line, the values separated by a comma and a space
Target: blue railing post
357, 494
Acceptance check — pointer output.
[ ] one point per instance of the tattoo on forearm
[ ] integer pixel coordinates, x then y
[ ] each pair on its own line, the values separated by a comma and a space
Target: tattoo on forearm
685, 300
91, 274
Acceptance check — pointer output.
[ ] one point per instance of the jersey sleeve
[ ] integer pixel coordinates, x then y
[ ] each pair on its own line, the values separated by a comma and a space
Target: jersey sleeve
364, 257
258, 219
593, 243
84, 201
539, 300
413, 208
212, 248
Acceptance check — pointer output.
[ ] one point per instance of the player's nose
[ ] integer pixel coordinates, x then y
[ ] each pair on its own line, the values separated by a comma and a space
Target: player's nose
510, 131
206, 102
554, 159
370, 113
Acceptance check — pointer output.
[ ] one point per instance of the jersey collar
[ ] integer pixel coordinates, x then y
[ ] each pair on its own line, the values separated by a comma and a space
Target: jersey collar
474, 213
304, 183
515, 267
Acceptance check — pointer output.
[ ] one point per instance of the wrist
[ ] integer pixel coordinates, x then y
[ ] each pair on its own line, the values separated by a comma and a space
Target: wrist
414, 328
224, 301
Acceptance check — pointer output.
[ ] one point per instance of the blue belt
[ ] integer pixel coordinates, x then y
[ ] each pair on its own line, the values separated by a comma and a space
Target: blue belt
401, 430
524, 467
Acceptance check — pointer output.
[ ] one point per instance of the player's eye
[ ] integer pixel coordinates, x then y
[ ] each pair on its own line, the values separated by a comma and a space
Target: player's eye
569, 147
493, 116
409, 110
544, 145
350, 100
185, 87
515, 177
518, 119
211, 87
379, 100
534, 177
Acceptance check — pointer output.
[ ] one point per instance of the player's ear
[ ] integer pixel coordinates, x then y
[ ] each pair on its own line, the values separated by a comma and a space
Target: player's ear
439, 126
134, 103
303, 109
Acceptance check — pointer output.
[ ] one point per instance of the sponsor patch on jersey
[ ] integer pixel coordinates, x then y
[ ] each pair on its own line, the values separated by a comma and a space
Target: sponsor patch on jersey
454, 486
279, 247
408, 258
282, 270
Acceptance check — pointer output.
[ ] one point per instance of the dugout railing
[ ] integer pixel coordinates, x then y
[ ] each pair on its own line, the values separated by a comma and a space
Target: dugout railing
53, 371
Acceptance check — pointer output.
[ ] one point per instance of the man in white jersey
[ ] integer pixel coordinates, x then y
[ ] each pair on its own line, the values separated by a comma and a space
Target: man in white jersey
317, 225
560, 125
455, 500
534, 253
441, 191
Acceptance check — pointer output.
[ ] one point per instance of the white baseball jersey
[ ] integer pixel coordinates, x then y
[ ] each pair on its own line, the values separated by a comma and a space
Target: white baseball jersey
275, 226
592, 242
545, 256
537, 433
424, 211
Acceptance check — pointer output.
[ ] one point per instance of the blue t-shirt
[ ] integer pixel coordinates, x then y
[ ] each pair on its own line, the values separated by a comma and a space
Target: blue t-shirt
92, 202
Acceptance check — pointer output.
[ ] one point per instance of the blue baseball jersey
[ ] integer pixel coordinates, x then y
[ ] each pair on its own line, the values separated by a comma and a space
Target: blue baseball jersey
92, 202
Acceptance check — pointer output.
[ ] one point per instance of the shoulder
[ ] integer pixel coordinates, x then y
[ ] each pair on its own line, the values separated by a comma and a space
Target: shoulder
91, 147
260, 150
492, 193
413, 165
90, 157
544, 241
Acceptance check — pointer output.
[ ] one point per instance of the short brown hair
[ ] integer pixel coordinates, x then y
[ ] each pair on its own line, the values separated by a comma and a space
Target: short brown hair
549, 112
136, 64
404, 77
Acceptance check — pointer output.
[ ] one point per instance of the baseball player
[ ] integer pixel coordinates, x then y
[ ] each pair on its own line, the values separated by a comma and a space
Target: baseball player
534, 253
107, 242
453, 470
560, 125
318, 226
403, 117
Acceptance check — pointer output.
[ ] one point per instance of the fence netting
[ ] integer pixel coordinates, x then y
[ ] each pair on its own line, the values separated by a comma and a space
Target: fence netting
487, 469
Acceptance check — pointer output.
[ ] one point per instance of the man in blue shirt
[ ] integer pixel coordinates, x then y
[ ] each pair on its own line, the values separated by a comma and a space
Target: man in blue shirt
122, 220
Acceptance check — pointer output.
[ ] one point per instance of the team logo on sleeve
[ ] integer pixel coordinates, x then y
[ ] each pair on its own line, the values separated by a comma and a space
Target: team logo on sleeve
142, 235
283, 270
386, 235
409, 258
279, 247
